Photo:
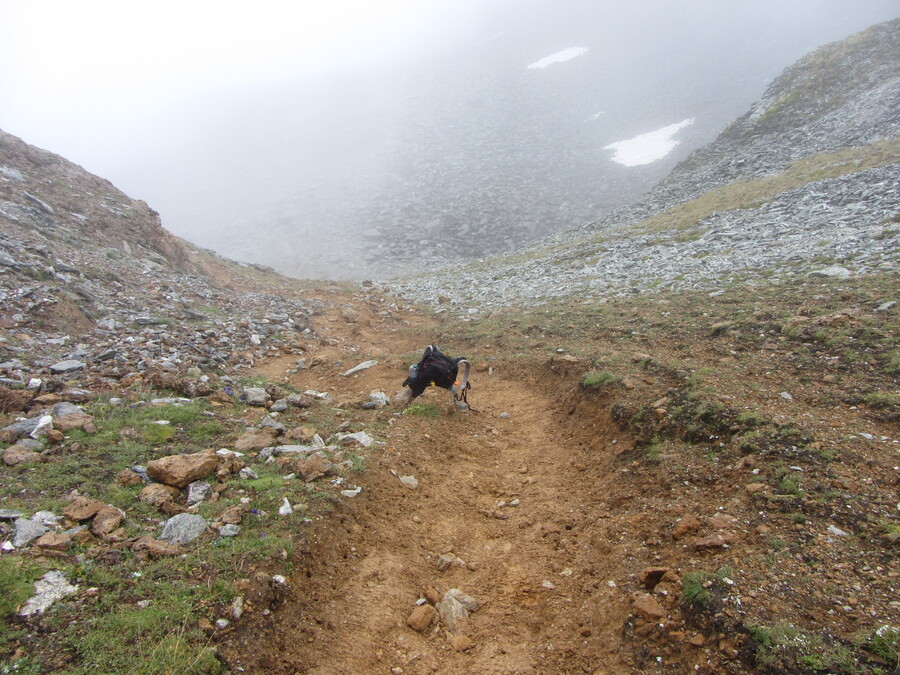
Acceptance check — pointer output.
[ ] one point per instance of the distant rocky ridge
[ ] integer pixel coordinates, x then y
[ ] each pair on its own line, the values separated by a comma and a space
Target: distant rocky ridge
807, 181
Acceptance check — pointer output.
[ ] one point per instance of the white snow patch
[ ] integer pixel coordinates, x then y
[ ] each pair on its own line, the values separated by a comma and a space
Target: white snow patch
560, 57
649, 147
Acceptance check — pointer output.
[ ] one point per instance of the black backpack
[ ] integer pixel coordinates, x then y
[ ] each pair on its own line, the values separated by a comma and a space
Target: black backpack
435, 368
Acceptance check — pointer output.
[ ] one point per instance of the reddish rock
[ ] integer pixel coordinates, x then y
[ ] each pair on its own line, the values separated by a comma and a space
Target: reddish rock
422, 617
82, 508
753, 488
180, 470
302, 434
255, 440
698, 640
313, 467
14, 400
19, 454
171, 508
107, 521
461, 643
232, 516
48, 399
653, 575
55, 436
645, 605
711, 542
432, 596
157, 494
687, 523
720, 521
127, 477
148, 547
229, 464
54, 541
79, 421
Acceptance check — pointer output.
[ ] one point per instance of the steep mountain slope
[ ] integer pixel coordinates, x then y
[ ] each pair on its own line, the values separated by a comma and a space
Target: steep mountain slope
83, 262
805, 180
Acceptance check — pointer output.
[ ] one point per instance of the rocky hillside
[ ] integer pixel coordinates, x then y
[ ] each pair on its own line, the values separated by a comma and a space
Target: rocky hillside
803, 182
89, 274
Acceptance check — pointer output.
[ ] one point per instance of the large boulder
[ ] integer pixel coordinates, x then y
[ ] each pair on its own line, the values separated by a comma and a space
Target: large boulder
180, 470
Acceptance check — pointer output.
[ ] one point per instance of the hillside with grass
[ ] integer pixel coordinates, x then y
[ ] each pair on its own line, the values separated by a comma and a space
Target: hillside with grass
681, 453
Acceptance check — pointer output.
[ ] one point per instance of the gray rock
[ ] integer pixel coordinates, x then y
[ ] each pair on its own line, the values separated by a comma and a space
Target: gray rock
48, 589
409, 481
452, 612
248, 474
255, 396
380, 399
25, 427
292, 449
198, 491
65, 409
110, 324
10, 514
32, 444
885, 306
9, 172
46, 518
279, 406
26, 531
43, 206
183, 528
360, 437
68, 366
834, 272
269, 423
365, 365
229, 530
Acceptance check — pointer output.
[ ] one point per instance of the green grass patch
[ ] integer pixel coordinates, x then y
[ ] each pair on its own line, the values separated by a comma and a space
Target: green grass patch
423, 409
599, 379
786, 648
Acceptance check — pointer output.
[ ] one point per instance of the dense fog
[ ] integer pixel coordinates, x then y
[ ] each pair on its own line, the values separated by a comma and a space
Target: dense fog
372, 139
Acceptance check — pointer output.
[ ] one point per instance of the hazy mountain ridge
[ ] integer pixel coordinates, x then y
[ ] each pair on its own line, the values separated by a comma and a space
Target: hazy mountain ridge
466, 153
794, 183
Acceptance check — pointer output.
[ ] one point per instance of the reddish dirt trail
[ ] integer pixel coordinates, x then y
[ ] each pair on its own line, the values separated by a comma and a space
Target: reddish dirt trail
540, 570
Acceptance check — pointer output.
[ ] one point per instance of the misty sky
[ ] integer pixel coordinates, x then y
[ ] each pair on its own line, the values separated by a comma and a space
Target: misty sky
90, 79
229, 117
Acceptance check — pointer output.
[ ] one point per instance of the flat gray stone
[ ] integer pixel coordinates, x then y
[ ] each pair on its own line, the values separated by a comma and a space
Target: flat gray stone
183, 528
27, 531
229, 530
198, 491
255, 396
65, 409
833, 272
362, 366
48, 589
68, 366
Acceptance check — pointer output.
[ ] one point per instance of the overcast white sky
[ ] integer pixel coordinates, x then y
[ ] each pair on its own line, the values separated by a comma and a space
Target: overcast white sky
103, 64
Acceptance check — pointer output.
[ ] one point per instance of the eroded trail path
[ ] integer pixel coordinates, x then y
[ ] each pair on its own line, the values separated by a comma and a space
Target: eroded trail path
534, 564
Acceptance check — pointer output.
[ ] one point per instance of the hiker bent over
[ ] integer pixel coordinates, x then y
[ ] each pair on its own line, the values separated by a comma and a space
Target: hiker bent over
436, 369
